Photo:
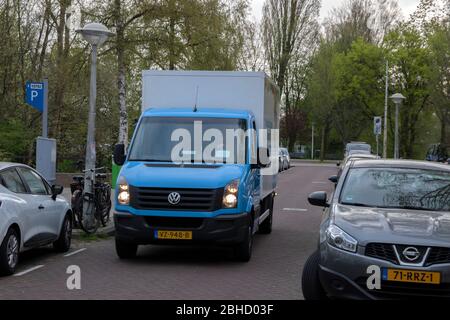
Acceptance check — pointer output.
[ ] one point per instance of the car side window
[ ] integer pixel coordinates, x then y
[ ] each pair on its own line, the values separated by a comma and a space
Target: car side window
10, 179
34, 181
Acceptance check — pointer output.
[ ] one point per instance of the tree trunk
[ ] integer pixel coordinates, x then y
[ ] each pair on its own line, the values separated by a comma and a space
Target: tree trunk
121, 72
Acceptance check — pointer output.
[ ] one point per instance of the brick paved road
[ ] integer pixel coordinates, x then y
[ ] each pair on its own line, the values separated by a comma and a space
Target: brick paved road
166, 272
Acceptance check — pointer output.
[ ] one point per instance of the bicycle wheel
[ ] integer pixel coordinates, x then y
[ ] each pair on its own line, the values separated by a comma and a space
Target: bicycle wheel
77, 208
103, 203
86, 226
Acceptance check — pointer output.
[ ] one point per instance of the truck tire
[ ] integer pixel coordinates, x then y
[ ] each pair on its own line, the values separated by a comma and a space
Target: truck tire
9, 253
243, 250
65, 236
126, 250
311, 287
266, 226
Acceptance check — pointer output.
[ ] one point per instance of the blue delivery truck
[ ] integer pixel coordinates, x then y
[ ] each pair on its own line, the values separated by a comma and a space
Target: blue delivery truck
202, 164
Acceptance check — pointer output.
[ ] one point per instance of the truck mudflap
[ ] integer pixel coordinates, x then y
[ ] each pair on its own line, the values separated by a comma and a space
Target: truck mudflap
223, 229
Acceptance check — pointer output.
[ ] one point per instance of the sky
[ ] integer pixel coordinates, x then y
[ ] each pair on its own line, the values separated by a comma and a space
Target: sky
407, 6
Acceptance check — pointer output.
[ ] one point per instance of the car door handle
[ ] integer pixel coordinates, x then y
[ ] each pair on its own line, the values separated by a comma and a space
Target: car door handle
41, 207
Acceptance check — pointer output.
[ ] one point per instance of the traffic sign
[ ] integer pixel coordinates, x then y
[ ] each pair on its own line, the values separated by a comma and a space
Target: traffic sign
35, 95
377, 126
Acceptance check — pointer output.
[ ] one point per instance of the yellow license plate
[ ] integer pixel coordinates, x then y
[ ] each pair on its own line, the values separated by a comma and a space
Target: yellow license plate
414, 276
175, 235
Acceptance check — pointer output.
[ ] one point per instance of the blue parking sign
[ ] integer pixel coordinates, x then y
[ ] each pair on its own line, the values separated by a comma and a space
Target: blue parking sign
35, 95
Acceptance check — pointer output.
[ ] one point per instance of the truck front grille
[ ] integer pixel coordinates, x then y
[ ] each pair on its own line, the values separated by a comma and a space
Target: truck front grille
190, 199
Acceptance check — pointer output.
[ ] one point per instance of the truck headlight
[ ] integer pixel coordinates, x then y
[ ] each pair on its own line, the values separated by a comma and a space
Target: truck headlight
123, 196
340, 239
230, 194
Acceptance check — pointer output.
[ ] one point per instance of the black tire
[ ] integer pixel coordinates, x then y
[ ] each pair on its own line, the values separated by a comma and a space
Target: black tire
311, 287
7, 266
266, 226
126, 250
65, 237
243, 250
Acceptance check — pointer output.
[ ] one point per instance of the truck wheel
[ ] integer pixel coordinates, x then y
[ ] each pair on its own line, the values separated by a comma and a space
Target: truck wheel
243, 251
65, 237
126, 250
311, 287
9, 253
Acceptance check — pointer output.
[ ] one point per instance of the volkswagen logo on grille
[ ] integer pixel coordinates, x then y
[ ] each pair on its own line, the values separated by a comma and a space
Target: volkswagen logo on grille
174, 198
411, 254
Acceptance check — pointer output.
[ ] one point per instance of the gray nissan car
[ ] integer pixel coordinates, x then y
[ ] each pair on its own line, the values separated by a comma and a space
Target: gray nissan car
385, 233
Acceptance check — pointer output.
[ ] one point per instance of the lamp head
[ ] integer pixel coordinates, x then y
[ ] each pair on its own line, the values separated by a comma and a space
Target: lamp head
95, 33
397, 98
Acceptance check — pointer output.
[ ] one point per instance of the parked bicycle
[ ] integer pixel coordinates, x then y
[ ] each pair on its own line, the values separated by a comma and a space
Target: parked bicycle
100, 199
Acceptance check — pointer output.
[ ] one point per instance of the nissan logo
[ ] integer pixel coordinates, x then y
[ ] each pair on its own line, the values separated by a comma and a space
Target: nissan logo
174, 198
411, 254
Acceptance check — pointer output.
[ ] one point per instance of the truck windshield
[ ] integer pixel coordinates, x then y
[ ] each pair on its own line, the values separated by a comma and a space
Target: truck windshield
204, 140
414, 189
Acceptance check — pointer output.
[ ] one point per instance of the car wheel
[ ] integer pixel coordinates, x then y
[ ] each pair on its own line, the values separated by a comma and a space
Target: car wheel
65, 237
311, 287
126, 250
243, 251
9, 253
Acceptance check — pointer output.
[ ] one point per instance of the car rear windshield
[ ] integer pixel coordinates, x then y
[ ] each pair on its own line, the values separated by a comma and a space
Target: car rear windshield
359, 146
415, 189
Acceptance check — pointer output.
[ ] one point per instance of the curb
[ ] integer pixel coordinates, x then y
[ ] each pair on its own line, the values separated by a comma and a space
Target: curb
105, 231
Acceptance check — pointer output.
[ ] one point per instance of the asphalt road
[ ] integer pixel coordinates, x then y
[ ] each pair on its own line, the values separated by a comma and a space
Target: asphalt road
171, 272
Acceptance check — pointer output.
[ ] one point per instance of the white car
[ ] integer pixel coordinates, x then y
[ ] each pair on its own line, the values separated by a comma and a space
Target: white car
31, 215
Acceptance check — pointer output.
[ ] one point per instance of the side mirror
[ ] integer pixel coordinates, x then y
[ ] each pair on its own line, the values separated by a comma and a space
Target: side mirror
318, 199
119, 154
56, 190
338, 164
334, 179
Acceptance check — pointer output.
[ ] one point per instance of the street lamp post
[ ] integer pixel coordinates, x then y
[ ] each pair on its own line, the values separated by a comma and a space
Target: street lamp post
397, 99
95, 34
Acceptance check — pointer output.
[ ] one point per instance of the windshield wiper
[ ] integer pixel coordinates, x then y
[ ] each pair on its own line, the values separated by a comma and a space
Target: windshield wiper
150, 160
356, 204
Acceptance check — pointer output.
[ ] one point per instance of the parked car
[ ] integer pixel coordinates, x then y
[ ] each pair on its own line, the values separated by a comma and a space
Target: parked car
31, 214
438, 153
386, 214
357, 146
354, 156
284, 159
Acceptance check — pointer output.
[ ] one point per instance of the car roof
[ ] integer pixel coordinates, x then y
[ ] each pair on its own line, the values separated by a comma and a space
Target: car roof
391, 163
362, 155
4, 165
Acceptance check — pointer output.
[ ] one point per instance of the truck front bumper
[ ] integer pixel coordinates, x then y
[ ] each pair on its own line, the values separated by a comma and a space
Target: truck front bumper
223, 229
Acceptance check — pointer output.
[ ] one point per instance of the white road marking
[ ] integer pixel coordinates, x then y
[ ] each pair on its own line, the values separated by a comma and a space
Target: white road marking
75, 252
28, 271
295, 209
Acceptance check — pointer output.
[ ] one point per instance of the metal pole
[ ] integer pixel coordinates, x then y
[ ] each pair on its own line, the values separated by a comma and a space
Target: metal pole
90, 146
312, 142
396, 151
385, 133
45, 111
377, 145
